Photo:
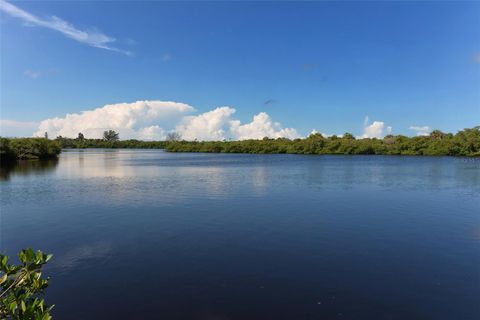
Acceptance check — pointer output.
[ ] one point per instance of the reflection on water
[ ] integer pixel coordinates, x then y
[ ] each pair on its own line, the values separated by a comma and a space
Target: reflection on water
81, 255
26, 167
232, 236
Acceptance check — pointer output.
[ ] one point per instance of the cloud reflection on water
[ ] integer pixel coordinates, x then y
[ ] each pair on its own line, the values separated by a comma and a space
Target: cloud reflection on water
74, 257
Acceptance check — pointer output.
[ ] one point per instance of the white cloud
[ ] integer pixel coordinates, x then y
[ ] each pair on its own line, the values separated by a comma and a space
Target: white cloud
37, 74
138, 120
153, 120
32, 74
421, 131
13, 128
151, 133
261, 126
365, 121
325, 135
219, 125
92, 38
375, 130
211, 125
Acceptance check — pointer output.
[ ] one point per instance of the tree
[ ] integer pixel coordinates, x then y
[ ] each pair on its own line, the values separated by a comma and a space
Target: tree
437, 134
348, 136
21, 287
174, 136
46, 135
80, 136
110, 135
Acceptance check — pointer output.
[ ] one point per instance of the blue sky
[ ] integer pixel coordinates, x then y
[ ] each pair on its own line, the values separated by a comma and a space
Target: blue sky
309, 65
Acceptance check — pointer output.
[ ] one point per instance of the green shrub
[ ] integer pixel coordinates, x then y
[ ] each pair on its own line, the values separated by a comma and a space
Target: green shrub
22, 286
28, 148
464, 143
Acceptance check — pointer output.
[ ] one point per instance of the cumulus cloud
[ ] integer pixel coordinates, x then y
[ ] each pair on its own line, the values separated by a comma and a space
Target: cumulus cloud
376, 129
153, 120
261, 126
91, 37
138, 120
151, 133
325, 135
211, 125
218, 124
421, 130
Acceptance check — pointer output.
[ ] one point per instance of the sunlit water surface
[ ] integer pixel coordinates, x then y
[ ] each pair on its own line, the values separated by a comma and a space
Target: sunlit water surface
142, 234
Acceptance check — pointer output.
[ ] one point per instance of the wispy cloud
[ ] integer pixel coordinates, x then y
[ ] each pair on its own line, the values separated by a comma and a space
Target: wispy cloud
37, 74
476, 58
32, 74
308, 66
13, 128
130, 42
166, 57
92, 38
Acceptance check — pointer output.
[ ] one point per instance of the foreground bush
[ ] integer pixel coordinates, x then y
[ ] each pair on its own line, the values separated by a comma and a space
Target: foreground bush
28, 148
22, 285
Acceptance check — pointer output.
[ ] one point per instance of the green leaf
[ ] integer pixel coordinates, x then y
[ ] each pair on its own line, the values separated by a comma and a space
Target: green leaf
30, 254
3, 261
22, 256
3, 278
24, 307
12, 306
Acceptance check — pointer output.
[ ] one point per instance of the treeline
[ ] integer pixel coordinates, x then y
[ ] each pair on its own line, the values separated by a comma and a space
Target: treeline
12, 149
464, 143
111, 144
111, 140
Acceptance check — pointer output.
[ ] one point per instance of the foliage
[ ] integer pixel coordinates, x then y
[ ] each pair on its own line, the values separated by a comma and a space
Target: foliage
82, 143
28, 148
111, 135
22, 286
464, 143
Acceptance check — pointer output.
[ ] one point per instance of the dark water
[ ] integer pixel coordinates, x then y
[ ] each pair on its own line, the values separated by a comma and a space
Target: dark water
153, 235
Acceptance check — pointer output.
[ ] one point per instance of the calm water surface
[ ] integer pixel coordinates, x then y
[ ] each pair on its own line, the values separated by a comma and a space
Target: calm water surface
152, 235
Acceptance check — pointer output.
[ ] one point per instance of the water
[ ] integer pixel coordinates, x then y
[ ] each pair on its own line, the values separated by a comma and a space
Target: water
142, 234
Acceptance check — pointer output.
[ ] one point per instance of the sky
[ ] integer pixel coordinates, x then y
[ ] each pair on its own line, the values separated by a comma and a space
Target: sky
238, 70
